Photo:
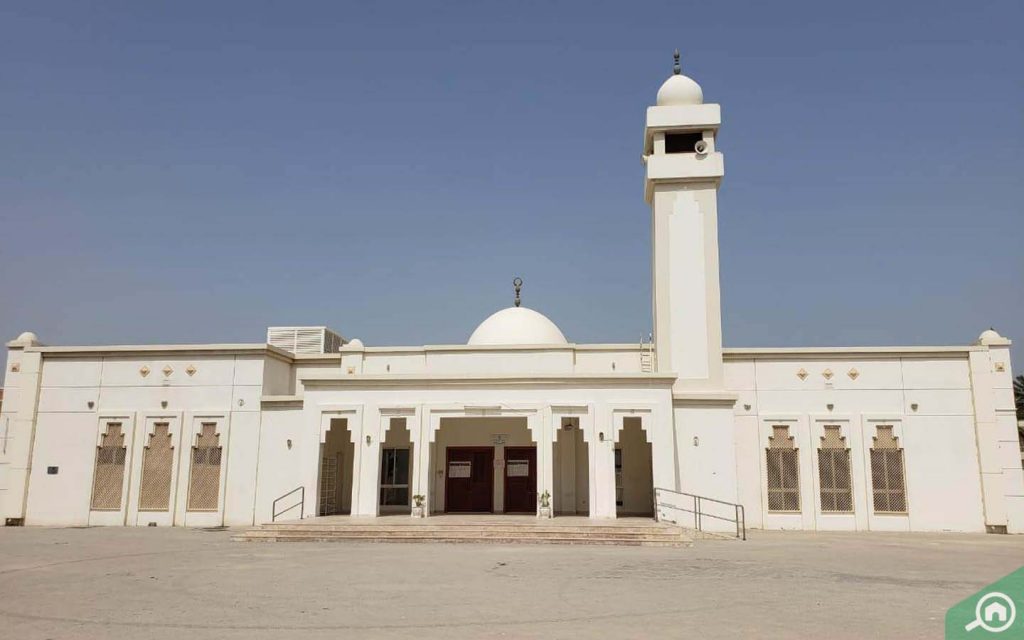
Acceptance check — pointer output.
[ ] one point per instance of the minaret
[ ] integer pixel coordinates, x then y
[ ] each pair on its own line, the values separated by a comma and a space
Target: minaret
684, 170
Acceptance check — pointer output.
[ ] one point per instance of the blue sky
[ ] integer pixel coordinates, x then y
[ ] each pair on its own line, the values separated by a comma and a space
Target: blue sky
195, 172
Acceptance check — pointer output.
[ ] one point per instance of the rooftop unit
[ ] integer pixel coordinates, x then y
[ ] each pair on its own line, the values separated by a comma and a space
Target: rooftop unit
305, 340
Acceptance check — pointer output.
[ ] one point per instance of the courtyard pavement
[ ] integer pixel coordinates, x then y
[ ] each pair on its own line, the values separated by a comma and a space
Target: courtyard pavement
180, 583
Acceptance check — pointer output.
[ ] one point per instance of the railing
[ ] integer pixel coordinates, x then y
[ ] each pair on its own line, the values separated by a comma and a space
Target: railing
699, 512
301, 503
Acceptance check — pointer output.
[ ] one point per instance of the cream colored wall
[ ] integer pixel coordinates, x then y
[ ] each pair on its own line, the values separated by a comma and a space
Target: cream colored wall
280, 467
456, 359
77, 396
928, 397
478, 432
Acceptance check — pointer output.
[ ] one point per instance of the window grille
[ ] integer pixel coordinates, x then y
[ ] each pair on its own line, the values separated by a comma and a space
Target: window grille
108, 481
888, 482
204, 482
157, 464
329, 485
834, 472
783, 471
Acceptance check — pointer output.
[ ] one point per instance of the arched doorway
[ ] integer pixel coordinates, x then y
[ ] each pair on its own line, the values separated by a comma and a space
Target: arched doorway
634, 472
334, 495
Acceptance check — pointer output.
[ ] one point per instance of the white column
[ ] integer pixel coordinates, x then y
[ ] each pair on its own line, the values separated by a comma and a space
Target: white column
600, 439
421, 457
543, 433
366, 473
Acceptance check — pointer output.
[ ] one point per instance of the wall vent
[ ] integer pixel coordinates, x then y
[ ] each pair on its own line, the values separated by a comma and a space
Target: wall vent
305, 340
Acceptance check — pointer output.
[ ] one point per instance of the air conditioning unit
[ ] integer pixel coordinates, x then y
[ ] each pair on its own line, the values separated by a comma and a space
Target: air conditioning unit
305, 340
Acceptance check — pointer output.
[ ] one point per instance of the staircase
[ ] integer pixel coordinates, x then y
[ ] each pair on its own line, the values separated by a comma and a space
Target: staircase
494, 529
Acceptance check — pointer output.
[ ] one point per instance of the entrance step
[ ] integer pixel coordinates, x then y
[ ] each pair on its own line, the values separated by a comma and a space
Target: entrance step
496, 530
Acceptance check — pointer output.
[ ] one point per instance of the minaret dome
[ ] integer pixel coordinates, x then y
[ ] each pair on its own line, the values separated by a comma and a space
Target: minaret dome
679, 89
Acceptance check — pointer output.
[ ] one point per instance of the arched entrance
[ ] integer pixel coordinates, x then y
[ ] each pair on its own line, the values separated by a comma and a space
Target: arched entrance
334, 494
634, 471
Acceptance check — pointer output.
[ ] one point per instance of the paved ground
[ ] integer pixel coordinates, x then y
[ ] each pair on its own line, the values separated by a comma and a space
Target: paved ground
174, 583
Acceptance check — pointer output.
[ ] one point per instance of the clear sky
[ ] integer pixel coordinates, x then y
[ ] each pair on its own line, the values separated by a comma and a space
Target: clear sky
197, 171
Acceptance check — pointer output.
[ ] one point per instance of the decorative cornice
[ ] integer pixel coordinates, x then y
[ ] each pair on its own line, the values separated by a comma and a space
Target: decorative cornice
280, 402
716, 398
165, 349
322, 379
843, 352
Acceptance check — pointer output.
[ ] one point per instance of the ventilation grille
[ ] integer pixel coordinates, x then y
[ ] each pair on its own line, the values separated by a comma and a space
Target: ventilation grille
204, 485
108, 480
304, 340
157, 467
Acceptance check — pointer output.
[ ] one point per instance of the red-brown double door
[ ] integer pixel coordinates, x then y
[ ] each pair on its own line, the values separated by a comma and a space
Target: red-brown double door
520, 480
469, 480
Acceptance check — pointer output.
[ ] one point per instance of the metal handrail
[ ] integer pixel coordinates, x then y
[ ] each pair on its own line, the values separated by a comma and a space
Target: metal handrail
301, 503
740, 517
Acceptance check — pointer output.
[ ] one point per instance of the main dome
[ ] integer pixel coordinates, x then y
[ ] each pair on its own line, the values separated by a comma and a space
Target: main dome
516, 325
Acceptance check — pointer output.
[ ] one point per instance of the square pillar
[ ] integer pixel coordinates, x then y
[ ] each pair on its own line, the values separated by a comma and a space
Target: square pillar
600, 439
540, 425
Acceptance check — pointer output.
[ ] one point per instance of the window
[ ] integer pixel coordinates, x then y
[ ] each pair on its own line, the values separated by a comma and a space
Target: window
108, 482
157, 464
619, 490
783, 471
682, 142
834, 472
394, 477
887, 478
204, 482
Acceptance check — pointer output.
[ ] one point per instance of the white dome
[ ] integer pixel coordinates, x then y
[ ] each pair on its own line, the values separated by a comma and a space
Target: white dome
516, 325
354, 343
28, 338
679, 90
990, 336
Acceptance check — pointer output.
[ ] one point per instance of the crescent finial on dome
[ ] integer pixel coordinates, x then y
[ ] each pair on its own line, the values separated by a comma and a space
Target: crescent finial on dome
676, 68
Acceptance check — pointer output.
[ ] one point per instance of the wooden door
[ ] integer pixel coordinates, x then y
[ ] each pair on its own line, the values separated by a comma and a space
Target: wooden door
520, 479
469, 480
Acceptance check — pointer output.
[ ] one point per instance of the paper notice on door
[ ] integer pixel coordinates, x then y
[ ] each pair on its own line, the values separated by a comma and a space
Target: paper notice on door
517, 468
460, 469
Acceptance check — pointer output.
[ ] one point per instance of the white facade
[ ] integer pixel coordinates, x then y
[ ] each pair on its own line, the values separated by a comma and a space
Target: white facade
896, 439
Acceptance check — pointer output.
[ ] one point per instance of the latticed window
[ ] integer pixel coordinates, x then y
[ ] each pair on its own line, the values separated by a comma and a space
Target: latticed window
157, 464
834, 472
108, 481
204, 482
887, 478
783, 471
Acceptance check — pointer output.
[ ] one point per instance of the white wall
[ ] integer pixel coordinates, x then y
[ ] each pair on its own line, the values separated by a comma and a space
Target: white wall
927, 397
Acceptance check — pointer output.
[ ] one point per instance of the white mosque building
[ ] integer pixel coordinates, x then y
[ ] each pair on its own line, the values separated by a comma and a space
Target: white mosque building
522, 420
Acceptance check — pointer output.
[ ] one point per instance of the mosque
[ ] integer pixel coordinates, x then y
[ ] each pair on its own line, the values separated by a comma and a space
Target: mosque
521, 419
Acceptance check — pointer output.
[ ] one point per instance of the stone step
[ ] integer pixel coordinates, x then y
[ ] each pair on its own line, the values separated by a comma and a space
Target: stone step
474, 534
314, 536
501, 532
456, 528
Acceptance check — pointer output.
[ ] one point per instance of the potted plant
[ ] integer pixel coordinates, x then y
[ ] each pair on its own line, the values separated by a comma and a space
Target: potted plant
417, 505
545, 504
